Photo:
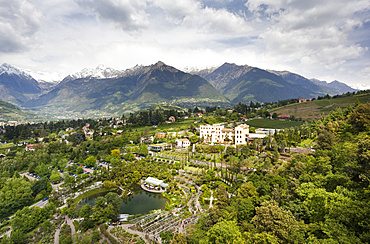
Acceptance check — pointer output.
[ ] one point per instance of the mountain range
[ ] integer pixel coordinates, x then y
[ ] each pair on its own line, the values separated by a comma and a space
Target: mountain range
246, 83
113, 92
108, 92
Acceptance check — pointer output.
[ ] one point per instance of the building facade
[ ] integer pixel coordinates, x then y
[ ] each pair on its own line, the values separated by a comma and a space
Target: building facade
218, 134
182, 143
241, 134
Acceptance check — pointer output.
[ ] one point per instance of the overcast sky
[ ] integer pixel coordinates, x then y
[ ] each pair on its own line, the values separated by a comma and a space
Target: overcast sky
324, 39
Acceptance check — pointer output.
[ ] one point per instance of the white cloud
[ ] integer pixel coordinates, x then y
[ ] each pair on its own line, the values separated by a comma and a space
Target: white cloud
19, 20
129, 15
311, 34
322, 39
192, 14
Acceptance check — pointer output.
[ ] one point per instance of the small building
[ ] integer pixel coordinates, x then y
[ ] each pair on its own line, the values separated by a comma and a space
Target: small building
160, 134
182, 143
302, 100
266, 131
172, 119
155, 182
123, 217
254, 136
159, 147
30, 147
147, 139
284, 117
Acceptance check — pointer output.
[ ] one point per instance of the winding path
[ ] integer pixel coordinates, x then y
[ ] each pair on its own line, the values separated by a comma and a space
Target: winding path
70, 222
211, 200
127, 229
56, 236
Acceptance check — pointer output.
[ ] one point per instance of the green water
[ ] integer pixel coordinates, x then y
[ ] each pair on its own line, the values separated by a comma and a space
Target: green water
141, 202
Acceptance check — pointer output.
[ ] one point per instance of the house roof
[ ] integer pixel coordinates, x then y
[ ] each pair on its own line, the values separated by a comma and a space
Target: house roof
227, 130
156, 182
183, 139
256, 136
243, 126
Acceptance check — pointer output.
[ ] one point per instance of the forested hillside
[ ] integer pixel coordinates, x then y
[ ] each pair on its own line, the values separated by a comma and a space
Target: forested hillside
316, 198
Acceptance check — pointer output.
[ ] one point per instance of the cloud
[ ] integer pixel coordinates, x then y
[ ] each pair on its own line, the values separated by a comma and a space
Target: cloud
311, 30
192, 14
19, 20
129, 15
321, 39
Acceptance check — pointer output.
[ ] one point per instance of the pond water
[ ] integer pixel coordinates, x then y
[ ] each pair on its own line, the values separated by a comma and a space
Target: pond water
141, 202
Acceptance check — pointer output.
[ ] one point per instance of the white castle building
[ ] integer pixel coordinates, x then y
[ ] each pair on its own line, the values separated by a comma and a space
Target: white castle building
218, 134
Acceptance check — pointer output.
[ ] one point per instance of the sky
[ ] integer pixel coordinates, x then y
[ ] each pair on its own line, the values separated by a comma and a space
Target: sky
323, 39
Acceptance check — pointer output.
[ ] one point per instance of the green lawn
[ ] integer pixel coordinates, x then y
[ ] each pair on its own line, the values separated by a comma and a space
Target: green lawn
6, 146
273, 124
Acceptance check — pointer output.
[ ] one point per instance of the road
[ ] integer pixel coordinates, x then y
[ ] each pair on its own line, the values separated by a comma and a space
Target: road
28, 176
56, 236
7, 233
56, 186
57, 232
70, 222
40, 204
211, 200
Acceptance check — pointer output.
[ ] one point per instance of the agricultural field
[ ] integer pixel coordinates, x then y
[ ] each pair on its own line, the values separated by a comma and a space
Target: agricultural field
315, 109
6, 146
273, 123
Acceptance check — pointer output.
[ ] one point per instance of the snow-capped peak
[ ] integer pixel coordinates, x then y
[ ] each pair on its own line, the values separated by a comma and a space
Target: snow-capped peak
11, 70
206, 70
45, 77
100, 72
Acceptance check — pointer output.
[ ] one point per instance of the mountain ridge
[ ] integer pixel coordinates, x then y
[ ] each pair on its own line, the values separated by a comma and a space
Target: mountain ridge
103, 89
141, 87
16, 86
244, 83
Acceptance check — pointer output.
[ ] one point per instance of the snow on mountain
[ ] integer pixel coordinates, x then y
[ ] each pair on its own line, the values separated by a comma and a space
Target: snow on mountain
11, 70
196, 70
100, 72
45, 77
